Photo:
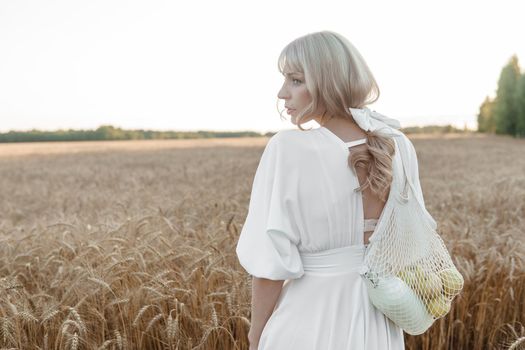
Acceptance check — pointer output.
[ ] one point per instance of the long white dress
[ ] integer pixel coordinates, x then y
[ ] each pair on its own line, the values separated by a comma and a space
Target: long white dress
305, 225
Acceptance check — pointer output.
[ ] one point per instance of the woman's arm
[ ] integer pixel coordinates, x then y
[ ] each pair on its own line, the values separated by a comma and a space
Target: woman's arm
265, 293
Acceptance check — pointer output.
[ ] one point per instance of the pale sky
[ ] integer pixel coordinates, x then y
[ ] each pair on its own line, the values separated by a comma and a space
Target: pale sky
212, 65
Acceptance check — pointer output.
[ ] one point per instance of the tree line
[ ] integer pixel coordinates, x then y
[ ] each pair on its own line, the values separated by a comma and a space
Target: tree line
505, 113
109, 132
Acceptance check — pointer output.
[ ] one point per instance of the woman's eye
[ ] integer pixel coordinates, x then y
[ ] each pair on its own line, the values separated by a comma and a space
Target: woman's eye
296, 81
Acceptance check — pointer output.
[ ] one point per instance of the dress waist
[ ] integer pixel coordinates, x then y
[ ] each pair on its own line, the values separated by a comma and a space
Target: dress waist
342, 259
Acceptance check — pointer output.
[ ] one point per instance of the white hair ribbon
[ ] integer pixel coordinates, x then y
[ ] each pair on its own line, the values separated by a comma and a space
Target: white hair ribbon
371, 120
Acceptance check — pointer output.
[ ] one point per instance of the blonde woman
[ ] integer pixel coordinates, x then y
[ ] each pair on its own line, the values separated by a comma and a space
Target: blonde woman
316, 197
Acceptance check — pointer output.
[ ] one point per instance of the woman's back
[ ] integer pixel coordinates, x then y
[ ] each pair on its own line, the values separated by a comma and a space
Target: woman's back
306, 225
355, 139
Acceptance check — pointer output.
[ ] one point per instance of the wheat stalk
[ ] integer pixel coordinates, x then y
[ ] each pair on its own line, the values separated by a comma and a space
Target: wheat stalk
172, 327
229, 306
65, 326
27, 316
78, 319
153, 321
214, 318
46, 339
74, 341
153, 290
118, 301
7, 328
49, 316
105, 344
118, 339
139, 315
101, 283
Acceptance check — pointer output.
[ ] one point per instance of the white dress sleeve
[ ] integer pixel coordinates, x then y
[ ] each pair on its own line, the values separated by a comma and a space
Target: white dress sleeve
267, 246
414, 174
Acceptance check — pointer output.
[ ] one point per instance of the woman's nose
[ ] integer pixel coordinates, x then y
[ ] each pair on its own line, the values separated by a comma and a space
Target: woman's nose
283, 94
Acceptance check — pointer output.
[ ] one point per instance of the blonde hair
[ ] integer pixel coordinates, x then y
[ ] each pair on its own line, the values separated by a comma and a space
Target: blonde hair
337, 77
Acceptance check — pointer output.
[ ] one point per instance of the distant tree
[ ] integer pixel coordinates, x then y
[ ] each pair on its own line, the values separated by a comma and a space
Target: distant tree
520, 107
486, 119
109, 132
505, 103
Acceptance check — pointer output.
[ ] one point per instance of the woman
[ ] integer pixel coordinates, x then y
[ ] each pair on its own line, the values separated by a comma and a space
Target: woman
316, 197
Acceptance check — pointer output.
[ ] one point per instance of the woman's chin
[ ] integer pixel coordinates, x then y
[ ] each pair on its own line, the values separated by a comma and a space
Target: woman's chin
294, 119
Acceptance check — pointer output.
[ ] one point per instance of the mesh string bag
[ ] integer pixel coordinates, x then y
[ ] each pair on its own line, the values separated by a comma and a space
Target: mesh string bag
408, 271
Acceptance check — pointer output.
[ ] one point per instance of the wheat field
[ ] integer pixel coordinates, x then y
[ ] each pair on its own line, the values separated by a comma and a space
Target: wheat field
131, 244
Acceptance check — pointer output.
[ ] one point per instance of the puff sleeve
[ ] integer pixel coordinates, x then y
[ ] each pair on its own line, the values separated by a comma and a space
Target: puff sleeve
267, 245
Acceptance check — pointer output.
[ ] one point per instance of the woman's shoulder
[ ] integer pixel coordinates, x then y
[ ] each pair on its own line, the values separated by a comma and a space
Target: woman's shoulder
292, 146
409, 146
292, 137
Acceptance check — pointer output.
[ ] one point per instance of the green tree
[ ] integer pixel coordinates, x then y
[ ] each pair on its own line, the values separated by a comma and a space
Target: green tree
486, 120
505, 102
105, 132
520, 107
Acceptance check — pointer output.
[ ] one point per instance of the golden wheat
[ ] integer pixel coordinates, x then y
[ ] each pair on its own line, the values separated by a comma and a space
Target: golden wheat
132, 245
152, 322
